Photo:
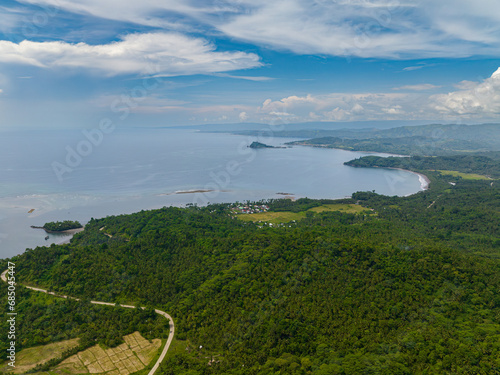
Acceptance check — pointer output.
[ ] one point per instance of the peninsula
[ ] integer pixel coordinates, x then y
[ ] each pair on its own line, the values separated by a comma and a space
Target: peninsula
262, 145
60, 226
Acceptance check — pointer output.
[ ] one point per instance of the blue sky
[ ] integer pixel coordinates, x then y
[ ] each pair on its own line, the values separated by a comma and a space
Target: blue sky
69, 63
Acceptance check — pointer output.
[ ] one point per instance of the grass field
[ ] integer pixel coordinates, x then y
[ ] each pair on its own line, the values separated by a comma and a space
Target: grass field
465, 176
27, 359
286, 216
131, 356
347, 208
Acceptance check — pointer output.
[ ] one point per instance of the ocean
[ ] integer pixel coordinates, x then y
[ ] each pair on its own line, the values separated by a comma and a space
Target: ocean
75, 175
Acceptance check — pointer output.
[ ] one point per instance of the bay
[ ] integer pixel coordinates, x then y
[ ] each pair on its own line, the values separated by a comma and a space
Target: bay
74, 175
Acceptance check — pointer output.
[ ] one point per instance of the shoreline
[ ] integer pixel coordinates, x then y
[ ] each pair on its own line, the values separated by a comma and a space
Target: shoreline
422, 178
67, 231
71, 233
344, 149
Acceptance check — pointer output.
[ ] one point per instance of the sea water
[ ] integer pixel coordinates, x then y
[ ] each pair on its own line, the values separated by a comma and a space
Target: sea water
74, 175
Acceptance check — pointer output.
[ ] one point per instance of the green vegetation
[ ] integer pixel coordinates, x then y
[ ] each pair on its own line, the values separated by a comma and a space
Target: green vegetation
43, 319
412, 289
469, 164
260, 145
425, 140
288, 216
60, 226
465, 176
28, 359
273, 217
347, 208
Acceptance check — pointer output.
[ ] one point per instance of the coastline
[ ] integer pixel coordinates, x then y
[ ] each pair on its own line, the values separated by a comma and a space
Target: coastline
67, 231
345, 149
71, 233
422, 178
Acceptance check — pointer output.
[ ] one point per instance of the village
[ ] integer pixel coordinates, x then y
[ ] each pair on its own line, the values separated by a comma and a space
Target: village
249, 208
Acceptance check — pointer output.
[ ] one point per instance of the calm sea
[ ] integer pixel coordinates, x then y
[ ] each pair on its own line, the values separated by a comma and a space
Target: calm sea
68, 175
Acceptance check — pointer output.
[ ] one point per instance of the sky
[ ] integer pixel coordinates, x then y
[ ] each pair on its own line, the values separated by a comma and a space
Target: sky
73, 63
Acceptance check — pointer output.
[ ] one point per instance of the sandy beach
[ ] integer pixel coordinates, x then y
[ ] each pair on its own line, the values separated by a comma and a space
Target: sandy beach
422, 178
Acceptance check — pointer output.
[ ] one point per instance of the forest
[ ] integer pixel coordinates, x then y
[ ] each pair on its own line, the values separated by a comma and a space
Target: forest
43, 319
424, 140
60, 226
483, 165
411, 288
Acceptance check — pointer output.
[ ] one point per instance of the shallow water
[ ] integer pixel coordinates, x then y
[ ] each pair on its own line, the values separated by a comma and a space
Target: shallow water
62, 175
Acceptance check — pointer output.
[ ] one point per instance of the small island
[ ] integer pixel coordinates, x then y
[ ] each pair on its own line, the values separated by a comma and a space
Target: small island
262, 145
60, 226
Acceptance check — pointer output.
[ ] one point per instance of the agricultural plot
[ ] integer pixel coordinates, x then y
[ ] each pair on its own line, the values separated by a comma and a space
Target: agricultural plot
28, 359
465, 176
133, 355
287, 216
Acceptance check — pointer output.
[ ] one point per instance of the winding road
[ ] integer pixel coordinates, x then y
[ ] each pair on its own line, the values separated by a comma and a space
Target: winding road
3, 276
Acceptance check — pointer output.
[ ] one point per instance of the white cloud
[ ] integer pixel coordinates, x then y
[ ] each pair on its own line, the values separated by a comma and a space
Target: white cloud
465, 85
420, 87
166, 54
243, 116
340, 106
247, 78
475, 99
479, 100
9, 18
365, 28
411, 68
376, 28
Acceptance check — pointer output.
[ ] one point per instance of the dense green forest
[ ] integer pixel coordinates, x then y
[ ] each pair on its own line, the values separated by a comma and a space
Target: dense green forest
43, 319
425, 140
414, 145
411, 288
482, 165
60, 226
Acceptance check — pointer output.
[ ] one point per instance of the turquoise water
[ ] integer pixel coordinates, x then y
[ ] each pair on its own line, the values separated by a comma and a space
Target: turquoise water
71, 175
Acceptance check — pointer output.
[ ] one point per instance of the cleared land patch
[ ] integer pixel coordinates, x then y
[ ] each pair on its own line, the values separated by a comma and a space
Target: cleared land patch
131, 356
28, 359
465, 176
287, 216
347, 208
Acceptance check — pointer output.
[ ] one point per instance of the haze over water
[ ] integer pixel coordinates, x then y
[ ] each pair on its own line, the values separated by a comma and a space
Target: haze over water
135, 169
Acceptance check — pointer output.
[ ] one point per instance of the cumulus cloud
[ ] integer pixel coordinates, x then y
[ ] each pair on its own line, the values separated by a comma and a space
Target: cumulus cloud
475, 99
243, 116
365, 28
340, 106
161, 54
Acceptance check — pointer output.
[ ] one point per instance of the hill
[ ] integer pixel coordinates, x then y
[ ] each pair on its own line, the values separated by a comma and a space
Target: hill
409, 288
426, 140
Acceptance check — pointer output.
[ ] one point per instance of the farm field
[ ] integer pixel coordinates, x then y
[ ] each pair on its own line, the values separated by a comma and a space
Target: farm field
28, 359
133, 355
465, 176
287, 216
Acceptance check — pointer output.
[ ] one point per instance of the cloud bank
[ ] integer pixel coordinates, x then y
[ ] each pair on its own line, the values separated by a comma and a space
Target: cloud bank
166, 54
363, 28
476, 99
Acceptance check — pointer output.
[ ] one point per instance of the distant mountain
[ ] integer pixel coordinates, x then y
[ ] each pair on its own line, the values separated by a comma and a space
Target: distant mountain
302, 126
432, 139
